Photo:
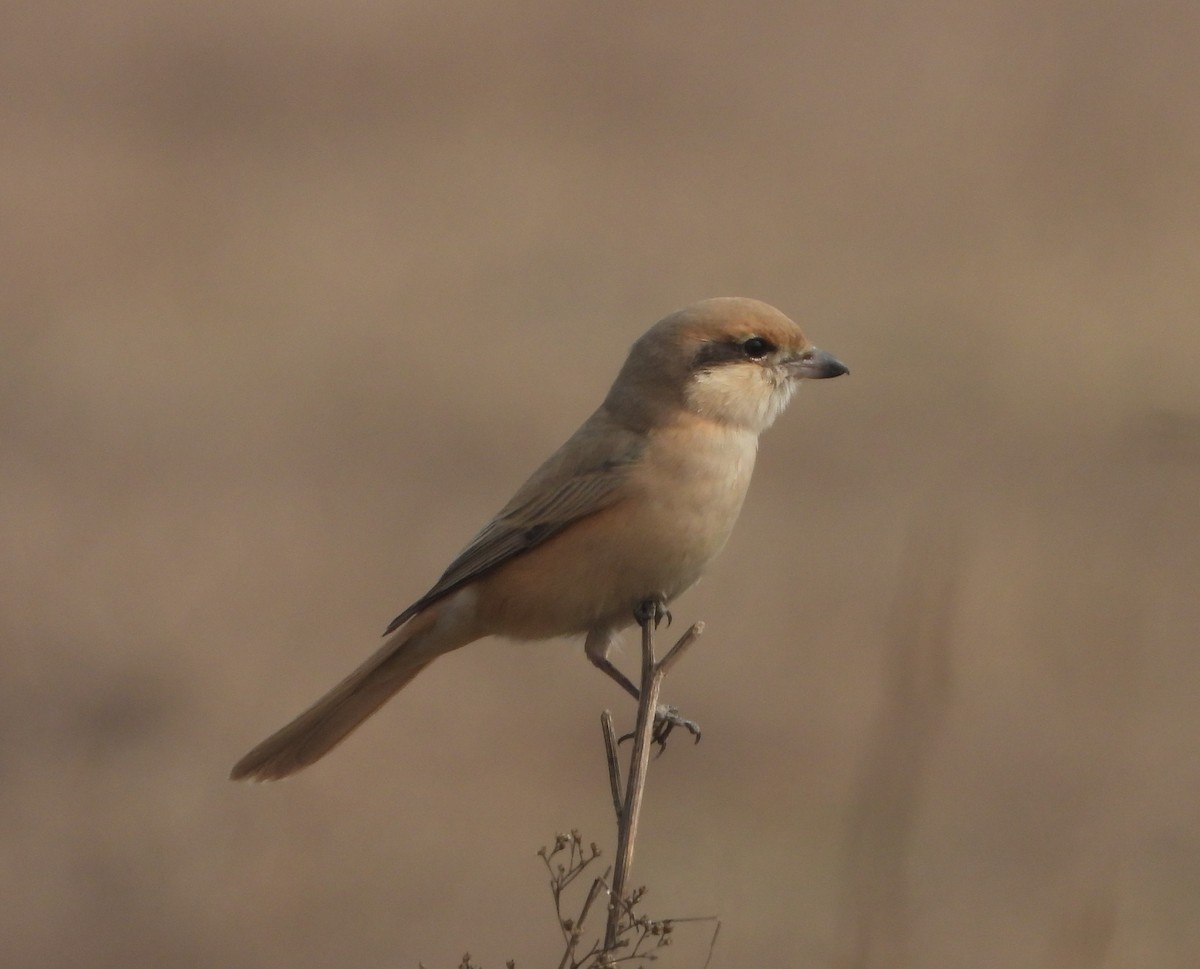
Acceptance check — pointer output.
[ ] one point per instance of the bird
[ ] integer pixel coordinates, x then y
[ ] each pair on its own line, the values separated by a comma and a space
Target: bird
628, 511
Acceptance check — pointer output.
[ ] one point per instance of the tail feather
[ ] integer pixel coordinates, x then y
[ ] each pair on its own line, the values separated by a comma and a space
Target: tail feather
331, 719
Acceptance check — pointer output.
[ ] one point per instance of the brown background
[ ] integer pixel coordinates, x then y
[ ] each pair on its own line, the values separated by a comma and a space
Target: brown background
296, 293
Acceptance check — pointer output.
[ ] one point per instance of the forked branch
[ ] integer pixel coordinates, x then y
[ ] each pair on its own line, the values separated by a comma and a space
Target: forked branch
628, 807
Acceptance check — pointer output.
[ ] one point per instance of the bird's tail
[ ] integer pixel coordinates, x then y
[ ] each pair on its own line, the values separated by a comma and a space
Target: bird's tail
331, 719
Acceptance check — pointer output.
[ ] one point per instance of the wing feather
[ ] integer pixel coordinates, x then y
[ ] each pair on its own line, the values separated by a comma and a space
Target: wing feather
583, 477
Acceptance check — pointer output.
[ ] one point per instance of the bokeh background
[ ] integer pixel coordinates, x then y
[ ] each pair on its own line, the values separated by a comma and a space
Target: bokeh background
295, 294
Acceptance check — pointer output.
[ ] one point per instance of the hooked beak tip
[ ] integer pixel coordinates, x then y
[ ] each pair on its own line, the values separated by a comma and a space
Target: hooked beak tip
820, 365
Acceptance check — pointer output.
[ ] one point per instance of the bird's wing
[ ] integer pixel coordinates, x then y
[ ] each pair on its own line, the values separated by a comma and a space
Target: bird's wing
583, 477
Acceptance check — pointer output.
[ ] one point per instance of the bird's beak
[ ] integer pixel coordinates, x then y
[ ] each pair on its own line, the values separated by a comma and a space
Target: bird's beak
814, 364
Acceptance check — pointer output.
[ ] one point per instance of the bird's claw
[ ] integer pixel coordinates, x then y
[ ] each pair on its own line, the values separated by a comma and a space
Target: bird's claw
653, 610
666, 719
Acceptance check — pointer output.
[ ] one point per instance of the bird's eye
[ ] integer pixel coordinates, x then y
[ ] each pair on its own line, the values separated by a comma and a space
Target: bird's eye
756, 347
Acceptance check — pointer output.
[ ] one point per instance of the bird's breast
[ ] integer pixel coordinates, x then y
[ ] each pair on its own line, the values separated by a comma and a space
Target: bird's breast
676, 510
687, 493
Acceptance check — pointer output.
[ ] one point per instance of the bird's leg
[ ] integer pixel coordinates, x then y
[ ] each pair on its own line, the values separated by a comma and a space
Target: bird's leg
596, 646
623, 681
666, 717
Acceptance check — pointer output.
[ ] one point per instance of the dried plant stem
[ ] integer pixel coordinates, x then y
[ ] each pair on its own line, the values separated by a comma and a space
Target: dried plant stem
653, 674
610, 755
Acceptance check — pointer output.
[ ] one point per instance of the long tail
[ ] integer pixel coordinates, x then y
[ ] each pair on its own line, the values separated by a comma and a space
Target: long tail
331, 719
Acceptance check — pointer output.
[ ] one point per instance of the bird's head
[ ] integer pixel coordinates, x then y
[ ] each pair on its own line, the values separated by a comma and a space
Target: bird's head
733, 360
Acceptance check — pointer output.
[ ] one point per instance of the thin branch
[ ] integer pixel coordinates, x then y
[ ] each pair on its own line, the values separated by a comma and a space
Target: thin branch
638, 763
676, 651
598, 884
651, 685
614, 766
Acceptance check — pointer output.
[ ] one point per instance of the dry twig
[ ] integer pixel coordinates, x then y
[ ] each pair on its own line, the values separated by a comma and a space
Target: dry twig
653, 674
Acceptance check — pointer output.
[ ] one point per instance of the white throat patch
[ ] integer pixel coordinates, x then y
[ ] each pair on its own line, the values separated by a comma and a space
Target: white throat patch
742, 394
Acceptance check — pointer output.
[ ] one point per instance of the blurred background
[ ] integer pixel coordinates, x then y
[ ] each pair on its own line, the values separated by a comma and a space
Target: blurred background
296, 294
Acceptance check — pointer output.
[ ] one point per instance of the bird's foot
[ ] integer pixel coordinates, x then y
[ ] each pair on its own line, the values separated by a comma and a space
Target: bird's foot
652, 611
666, 719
